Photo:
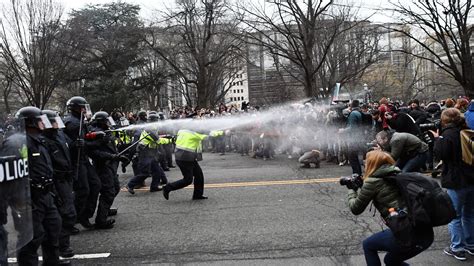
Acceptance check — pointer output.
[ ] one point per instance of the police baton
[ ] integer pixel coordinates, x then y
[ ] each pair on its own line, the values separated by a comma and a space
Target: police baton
79, 137
132, 145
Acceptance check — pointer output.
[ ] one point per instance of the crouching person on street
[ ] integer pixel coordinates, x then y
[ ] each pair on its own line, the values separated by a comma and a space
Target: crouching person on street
308, 158
385, 196
188, 153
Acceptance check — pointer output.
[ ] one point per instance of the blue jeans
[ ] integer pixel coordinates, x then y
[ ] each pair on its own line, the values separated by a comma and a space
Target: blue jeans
414, 164
461, 228
396, 255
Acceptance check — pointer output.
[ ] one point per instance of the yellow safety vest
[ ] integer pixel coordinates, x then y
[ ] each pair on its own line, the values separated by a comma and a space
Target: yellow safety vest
189, 140
149, 142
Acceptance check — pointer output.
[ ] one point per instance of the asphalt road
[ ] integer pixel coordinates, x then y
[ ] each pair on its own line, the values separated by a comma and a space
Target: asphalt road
258, 213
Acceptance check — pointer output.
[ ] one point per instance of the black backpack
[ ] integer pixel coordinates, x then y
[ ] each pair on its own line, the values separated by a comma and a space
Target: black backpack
427, 205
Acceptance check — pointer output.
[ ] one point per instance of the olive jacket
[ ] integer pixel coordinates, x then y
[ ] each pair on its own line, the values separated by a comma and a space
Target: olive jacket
383, 193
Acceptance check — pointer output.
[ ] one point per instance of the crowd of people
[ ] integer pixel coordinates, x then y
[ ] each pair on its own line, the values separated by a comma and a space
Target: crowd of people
74, 160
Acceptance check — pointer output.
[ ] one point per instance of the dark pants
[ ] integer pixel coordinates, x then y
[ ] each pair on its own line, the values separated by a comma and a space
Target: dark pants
46, 229
396, 255
190, 171
66, 209
169, 154
149, 165
86, 189
108, 192
414, 164
220, 144
353, 157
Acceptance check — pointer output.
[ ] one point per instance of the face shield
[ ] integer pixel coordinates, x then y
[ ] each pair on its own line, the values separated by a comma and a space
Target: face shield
45, 121
57, 122
110, 122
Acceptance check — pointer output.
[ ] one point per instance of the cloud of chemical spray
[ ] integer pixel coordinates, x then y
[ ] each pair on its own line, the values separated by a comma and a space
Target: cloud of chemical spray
288, 127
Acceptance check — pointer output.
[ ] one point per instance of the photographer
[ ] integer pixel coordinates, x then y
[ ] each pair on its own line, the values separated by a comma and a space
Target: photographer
458, 178
384, 195
408, 150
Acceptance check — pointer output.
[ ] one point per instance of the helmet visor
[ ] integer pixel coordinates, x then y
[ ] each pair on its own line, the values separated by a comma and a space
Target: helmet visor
88, 110
111, 121
57, 122
44, 119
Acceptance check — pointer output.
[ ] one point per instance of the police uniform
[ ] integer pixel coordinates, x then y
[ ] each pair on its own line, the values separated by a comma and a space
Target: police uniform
188, 153
104, 156
148, 162
62, 170
46, 219
86, 182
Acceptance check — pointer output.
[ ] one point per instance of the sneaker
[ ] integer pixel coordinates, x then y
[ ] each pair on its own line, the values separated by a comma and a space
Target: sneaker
459, 255
470, 251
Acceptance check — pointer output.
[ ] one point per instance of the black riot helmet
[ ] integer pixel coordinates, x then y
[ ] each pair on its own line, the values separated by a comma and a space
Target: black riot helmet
142, 115
31, 115
54, 118
77, 103
103, 120
161, 115
153, 117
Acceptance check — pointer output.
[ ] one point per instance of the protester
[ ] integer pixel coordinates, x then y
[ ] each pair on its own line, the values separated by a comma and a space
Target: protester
458, 178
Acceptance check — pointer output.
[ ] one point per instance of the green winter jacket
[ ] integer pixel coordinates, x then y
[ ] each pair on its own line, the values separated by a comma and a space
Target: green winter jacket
384, 194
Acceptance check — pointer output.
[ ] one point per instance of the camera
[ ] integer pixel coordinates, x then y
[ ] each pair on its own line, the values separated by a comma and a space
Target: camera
351, 182
436, 124
426, 135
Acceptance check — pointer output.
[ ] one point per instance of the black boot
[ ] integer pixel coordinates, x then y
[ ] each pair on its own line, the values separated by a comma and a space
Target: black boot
106, 225
166, 192
112, 212
86, 224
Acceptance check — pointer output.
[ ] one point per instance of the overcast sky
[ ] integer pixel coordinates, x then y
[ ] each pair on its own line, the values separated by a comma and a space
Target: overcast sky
148, 7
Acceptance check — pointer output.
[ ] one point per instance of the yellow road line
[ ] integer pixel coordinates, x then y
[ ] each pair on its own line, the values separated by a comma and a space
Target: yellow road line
260, 183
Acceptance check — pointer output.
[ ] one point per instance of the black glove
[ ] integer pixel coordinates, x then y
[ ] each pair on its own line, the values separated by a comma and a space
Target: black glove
124, 168
122, 158
80, 143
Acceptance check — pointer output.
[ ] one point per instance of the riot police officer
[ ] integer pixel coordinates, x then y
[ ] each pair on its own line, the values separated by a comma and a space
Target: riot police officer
16, 224
188, 153
162, 156
62, 174
86, 182
105, 157
46, 219
148, 154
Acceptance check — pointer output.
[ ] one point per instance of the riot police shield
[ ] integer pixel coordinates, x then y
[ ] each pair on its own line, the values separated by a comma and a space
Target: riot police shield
16, 226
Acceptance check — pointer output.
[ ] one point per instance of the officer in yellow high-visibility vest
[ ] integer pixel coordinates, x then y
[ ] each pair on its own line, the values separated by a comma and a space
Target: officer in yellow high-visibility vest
188, 153
148, 163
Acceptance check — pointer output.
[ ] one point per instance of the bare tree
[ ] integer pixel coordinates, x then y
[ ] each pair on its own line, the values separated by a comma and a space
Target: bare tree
290, 30
355, 48
29, 39
447, 36
203, 48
